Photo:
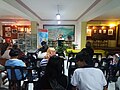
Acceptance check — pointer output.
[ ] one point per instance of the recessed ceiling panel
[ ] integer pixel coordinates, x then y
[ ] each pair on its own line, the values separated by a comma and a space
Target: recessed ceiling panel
68, 9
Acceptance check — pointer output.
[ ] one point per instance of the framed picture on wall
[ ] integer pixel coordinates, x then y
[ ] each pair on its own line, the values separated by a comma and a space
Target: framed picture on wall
20, 35
89, 31
67, 31
95, 31
100, 31
14, 31
7, 29
7, 34
110, 31
104, 31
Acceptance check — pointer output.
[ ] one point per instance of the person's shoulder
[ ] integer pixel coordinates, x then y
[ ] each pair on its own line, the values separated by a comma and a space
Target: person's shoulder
43, 60
84, 49
78, 70
97, 70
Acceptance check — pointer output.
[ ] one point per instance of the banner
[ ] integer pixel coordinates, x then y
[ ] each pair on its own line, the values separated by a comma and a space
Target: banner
42, 36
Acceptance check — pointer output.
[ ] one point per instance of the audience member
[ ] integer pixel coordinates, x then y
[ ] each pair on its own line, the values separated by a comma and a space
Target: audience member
15, 47
50, 52
41, 52
43, 48
43, 63
13, 61
21, 54
53, 74
90, 51
6, 53
86, 77
3, 47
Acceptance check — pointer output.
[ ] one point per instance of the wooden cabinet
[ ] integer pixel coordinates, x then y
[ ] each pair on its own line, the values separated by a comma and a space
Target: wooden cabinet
100, 43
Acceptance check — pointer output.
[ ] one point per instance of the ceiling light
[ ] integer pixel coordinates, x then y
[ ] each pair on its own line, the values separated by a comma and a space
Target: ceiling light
59, 22
58, 14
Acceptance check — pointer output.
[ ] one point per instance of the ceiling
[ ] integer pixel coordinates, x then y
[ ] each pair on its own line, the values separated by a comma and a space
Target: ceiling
70, 10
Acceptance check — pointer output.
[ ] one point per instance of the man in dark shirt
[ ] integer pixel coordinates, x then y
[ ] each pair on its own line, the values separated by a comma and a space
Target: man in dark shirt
43, 48
90, 51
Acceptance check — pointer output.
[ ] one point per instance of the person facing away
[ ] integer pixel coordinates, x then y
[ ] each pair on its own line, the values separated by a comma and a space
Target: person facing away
90, 51
54, 74
86, 77
21, 54
6, 52
43, 48
13, 61
43, 63
50, 52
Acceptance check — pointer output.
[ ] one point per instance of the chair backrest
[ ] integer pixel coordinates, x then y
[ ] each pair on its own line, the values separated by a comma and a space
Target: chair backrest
14, 71
31, 58
98, 56
72, 55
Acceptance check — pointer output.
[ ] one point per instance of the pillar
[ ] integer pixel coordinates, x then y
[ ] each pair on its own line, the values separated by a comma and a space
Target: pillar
34, 28
83, 34
80, 34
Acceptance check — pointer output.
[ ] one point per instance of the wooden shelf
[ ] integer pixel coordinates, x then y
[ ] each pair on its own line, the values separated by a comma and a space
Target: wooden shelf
55, 43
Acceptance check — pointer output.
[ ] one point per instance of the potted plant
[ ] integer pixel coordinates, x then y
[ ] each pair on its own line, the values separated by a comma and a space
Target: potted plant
61, 49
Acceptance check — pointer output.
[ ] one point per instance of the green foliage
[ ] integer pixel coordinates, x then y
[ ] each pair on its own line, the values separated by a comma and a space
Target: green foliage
61, 48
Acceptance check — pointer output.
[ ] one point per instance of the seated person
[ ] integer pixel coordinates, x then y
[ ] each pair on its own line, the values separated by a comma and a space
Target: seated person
6, 53
50, 52
14, 46
53, 75
87, 77
90, 51
43, 48
41, 52
13, 61
21, 54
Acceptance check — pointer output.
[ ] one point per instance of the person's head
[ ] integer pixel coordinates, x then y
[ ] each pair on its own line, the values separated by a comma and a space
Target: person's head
14, 53
88, 44
60, 36
15, 46
50, 52
43, 43
54, 67
82, 58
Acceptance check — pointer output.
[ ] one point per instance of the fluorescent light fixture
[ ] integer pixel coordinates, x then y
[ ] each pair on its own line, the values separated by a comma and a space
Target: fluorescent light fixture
59, 22
5, 22
58, 16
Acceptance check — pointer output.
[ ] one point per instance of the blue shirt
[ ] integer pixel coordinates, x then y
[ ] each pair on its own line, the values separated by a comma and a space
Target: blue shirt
15, 62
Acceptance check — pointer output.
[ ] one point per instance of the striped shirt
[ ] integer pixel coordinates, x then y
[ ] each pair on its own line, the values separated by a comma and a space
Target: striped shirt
44, 62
